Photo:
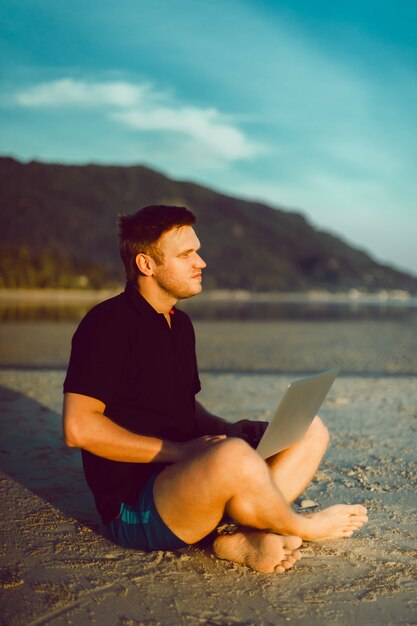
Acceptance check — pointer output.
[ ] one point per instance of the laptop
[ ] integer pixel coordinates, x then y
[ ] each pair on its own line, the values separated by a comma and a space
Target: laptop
295, 412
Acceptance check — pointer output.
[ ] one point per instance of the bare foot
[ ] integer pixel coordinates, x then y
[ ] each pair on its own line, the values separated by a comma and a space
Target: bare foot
262, 551
340, 520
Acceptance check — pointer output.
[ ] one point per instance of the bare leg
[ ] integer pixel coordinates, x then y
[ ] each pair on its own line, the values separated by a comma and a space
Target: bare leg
192, 496
294, 469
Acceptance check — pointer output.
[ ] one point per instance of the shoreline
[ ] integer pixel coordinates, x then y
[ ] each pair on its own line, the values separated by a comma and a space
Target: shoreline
383, 296
411, 376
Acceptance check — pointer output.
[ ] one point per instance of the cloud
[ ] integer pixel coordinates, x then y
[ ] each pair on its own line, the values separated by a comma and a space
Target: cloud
143, 109
203, 125
69, 92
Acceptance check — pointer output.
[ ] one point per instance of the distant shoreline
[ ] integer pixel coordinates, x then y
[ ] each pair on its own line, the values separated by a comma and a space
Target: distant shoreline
55, 296
68, 296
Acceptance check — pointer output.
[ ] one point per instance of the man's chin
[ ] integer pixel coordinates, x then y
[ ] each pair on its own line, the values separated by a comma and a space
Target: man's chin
196, 289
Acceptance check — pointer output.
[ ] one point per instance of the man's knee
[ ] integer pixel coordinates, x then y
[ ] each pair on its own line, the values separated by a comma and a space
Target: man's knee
318, 432
234, 456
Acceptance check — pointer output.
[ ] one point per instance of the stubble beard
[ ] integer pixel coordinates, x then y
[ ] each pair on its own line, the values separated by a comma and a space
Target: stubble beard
180, 290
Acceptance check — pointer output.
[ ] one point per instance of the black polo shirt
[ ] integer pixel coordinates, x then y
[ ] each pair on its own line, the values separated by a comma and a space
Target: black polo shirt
124, 354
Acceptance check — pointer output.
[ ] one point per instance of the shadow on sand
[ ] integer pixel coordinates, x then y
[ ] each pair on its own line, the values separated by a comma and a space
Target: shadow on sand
32, 452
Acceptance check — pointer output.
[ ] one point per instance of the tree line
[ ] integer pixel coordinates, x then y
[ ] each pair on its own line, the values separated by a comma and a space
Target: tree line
21, 267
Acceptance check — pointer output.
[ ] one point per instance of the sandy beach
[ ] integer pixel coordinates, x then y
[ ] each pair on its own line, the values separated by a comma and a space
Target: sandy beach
57, 566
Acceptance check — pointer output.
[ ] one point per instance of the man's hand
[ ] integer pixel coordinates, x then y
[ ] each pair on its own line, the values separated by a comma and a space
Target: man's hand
187, 449
249, 430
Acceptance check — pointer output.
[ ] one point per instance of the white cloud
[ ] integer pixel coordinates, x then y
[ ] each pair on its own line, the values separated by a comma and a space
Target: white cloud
69, 92
142, 108
203, 125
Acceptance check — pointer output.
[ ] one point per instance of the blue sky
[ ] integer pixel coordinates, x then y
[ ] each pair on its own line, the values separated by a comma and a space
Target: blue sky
306, 105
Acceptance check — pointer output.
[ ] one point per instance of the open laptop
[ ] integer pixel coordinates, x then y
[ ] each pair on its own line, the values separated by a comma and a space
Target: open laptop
295, 412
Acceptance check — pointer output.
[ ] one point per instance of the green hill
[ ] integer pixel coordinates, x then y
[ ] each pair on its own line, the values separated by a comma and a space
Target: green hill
58, 228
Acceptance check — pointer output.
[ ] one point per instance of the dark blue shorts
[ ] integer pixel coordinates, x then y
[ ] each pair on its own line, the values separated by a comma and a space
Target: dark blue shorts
141, 527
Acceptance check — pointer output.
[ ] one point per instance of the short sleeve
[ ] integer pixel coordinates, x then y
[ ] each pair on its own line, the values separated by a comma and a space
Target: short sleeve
98, 357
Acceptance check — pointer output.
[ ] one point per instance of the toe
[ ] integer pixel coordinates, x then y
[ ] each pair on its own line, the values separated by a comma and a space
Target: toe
358, 509
297, 555
355, 523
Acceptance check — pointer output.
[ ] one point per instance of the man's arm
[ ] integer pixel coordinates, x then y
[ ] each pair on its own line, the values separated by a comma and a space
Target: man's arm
86, 426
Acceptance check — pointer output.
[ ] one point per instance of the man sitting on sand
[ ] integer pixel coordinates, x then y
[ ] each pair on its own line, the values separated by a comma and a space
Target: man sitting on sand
163, 470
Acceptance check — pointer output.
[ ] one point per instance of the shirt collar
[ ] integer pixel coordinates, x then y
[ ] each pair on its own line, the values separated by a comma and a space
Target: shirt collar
141, 304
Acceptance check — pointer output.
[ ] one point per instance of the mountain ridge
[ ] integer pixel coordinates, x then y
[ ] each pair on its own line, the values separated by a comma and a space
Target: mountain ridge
67, 213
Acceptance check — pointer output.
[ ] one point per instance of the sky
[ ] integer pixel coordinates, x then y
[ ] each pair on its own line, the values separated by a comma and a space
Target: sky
306, 105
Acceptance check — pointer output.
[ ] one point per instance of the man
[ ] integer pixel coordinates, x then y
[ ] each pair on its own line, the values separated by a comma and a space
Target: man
163, 470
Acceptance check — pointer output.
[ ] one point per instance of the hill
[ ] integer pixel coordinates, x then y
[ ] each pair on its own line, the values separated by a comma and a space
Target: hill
57, 228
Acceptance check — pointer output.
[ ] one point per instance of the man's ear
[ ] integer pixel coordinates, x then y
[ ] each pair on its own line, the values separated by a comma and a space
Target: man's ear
143, 262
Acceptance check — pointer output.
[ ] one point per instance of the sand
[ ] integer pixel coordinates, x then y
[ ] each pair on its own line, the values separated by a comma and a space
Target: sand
57, 567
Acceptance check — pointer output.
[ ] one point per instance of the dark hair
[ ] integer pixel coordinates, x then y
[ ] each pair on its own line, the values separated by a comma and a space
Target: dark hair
142, 231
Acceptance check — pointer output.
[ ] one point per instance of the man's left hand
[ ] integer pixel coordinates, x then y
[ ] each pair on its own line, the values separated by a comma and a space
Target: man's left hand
249, 430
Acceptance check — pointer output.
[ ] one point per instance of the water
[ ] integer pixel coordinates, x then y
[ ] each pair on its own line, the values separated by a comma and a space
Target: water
298, 335
297, 307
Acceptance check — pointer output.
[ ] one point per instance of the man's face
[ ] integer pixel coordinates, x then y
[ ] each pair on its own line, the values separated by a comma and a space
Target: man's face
179, 275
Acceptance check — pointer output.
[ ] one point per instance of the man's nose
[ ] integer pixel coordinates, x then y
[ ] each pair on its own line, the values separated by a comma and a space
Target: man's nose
200, 262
